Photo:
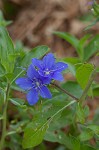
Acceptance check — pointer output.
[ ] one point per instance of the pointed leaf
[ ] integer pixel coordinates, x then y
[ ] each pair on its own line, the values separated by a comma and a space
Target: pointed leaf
36, 52
69, 38
33, 137
83, 74
91, 48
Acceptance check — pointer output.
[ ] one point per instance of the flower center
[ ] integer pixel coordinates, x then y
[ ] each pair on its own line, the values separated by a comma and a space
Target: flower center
47, 72
37, 84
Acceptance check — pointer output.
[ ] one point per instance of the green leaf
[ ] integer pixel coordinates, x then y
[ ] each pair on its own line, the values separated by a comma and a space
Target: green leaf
72, 69
20, 49
94, 128
69, 38
17, 73
80, 113
97, 69
87, 147
70, 142
86, 135
36, 52
83, 74
71, 60
1, 117
3, 22
17, 101
82, 44
95, 9
86, 111
34, 135
6, 49
75, 143
6, 41
97, 54
50, 107
95, 89
91, 48
73, 87
11, 132
92, 24
2, 70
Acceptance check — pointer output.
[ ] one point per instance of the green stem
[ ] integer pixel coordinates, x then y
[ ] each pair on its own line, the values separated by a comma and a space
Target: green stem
16, 77
83, 97
4, 122
66, 92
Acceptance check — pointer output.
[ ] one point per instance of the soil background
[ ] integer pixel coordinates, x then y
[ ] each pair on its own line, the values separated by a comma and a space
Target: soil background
35, 20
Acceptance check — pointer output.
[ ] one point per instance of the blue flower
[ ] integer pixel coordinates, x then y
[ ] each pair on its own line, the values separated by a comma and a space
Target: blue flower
91, 2
47, 67
35, 85
39, 74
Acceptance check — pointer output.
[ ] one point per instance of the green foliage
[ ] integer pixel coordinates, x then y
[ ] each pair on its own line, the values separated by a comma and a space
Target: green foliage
81, 45
37, 52
69, 38
94, 128
2, 70
6, 51
86, 135
34, 136
73, 88
92, 24
91, 48
83, 74
3, 22
95, 11
18, 102
34, 133
81, 113
70, 142
96, 89
60, 119
84, 51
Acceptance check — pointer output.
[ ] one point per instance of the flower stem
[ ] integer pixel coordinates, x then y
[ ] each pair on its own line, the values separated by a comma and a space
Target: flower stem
83, 97
4, 122
66, 92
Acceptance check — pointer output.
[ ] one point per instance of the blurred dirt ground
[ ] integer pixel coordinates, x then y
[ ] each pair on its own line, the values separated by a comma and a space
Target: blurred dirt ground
35, 20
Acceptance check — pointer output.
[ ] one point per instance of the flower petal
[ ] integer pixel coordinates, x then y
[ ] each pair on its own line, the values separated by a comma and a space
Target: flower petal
24, 83
60, 66
32, 97
45, 80
32, 73
44, 92
49, 60
36, 62
57, 76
